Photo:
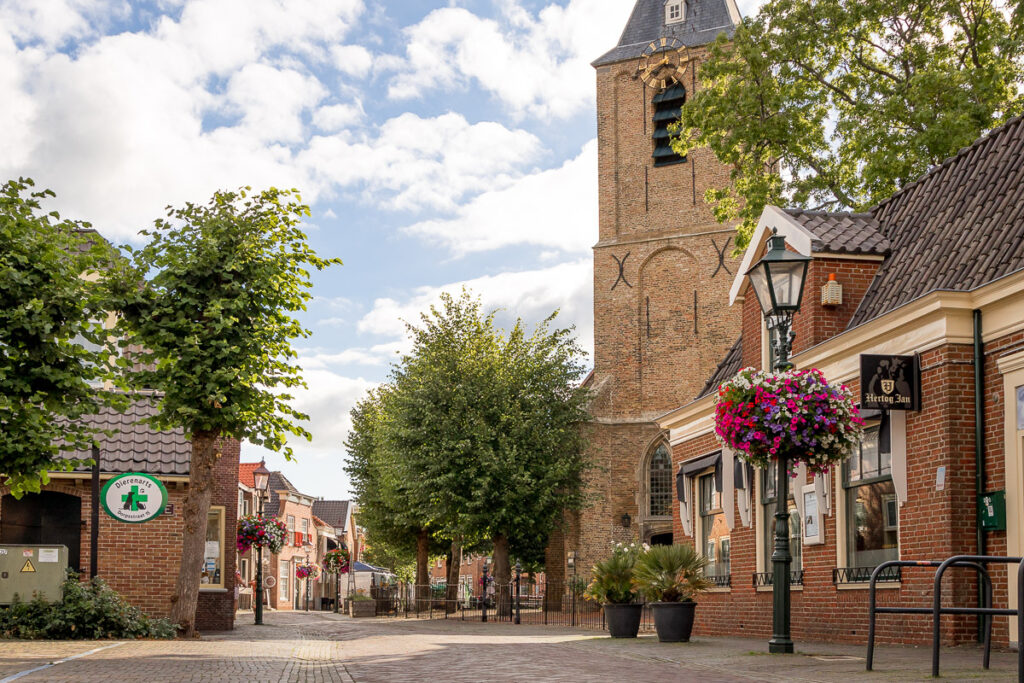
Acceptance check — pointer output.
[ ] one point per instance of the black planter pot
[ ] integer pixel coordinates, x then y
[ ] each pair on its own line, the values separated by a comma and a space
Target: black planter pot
673, 621
623, 620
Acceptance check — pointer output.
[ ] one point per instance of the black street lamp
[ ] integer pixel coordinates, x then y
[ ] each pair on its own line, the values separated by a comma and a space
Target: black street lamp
519, 571
570, 560
483, 591
778, 280
261, 480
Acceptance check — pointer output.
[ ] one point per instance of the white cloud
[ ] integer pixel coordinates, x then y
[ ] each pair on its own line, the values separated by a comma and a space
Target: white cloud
271, 102
553, 208
534, 64
531, 295
337, 117
422, 162
52, 22
354, 60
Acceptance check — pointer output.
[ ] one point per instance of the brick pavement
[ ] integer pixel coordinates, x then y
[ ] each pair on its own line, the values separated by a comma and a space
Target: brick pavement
325, 647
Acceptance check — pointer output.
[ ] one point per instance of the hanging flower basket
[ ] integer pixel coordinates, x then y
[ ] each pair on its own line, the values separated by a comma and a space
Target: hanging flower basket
307, 569
257, 531
336, 561
796, 413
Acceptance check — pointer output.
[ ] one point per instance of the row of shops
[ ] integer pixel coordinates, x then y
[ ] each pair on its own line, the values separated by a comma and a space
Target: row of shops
929, 288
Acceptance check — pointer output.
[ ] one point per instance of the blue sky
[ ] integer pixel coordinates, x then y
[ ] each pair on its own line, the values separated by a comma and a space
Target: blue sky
438, 144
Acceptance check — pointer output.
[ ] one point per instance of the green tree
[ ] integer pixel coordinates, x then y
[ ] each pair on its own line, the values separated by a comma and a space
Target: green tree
836, 104
54, 353
488, 426
209, 299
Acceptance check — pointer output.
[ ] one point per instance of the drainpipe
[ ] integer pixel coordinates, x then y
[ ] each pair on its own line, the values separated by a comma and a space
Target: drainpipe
979, 448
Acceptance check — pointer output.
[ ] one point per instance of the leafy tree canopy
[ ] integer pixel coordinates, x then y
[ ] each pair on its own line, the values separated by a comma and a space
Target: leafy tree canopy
54, 354
836, 104
210, 329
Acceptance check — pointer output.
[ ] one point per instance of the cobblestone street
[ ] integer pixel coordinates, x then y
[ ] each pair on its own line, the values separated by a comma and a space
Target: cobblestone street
326, 647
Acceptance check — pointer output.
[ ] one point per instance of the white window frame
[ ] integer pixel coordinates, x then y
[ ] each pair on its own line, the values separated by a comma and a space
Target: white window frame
679, 6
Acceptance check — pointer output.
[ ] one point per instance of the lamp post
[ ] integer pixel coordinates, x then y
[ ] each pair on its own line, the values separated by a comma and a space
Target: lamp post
519, 571
261, 480
778, 281
570, 560
483, 591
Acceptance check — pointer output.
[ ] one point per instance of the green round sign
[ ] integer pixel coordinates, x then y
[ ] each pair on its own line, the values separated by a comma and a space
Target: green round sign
134, 497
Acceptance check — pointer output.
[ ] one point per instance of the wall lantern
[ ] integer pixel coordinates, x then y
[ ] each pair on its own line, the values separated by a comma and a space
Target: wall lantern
626, 520
832, 292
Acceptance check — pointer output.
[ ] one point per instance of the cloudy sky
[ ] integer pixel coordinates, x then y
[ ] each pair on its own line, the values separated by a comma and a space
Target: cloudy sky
439, 144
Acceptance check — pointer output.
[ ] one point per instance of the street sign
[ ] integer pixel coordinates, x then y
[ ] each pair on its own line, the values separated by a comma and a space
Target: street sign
890, 382
134, 497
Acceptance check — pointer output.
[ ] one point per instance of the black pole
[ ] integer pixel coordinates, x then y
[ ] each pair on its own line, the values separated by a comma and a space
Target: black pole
258, 597
518, 575
337, 592
94, 524
781, 643
483, 596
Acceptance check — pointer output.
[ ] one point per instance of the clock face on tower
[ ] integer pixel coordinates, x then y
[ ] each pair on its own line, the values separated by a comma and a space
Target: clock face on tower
663, 62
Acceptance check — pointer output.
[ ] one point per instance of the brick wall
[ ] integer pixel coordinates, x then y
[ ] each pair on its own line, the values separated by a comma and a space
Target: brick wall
932, 525
141, 561
660, 329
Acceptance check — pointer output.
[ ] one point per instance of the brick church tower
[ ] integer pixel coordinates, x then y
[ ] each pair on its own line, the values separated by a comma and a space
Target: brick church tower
662, 272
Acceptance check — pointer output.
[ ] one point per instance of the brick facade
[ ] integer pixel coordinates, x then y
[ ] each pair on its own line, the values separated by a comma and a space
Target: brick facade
141, 561
661, 323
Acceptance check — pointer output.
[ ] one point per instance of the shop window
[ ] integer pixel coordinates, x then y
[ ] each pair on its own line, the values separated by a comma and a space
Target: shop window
872, 511
659, 483
213, 557
284, 573
768, 508
714, 534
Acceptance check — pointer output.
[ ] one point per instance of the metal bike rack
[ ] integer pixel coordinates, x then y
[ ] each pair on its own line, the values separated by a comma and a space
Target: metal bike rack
976, 562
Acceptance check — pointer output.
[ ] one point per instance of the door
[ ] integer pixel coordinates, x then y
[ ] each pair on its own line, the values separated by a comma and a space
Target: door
1012, 369
47, 518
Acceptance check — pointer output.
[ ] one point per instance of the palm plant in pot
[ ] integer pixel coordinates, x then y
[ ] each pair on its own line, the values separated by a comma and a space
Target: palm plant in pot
669, 576
611, 585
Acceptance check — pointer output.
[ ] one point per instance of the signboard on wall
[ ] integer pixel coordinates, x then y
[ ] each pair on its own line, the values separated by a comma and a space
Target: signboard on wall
890, 382
134, 497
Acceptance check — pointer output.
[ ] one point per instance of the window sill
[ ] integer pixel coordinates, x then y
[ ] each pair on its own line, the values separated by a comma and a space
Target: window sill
212, 589
719, 589
865, 585
792, 588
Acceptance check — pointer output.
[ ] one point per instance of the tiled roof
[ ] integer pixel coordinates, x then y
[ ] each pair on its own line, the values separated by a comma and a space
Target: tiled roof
705, 19
137, 447
729, 366
958, 227
844, 233
245, 475
278, 482
334, 512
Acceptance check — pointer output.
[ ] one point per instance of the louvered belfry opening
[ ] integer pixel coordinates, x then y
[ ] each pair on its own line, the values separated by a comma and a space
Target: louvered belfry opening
667, 106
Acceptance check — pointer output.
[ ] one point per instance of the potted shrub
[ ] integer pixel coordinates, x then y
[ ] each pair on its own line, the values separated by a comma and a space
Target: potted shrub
670, 576
612, 586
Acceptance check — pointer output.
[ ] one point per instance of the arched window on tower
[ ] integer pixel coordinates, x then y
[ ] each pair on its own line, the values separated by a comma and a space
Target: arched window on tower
659, 483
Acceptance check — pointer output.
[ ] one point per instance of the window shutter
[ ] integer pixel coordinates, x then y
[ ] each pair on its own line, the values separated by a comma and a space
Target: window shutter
685, 502
744, 475
728, 483
796, 486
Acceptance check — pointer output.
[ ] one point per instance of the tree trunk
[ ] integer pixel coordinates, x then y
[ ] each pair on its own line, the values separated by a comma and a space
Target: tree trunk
422, 580
454, 565
502, 575
193, 547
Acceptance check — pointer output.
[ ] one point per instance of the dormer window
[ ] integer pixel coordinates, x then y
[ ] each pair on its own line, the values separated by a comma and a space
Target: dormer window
673, 11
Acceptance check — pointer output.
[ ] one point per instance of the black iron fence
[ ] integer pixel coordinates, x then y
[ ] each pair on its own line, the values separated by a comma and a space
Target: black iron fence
546, 603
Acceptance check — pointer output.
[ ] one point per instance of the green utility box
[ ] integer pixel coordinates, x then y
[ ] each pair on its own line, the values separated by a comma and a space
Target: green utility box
28, 570
992, 511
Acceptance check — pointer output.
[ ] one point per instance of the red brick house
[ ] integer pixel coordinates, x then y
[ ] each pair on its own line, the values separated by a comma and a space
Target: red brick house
302, 543
140, 561
935, 271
